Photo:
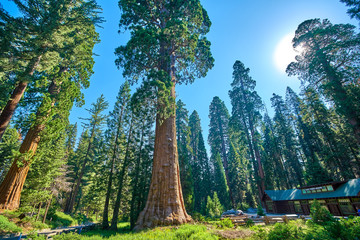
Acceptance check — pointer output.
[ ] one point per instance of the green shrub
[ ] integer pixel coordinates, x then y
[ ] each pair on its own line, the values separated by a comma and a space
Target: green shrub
198, 217
34, 236
8, 227
285, 232
249, 222
260, 211
344, 229
80, 218
69, 236
316, 232
60, 219
226, 223
213, 206
39, 225
319, 214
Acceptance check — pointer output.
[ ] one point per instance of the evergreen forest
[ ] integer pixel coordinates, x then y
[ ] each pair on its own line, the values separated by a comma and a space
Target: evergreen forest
144, 161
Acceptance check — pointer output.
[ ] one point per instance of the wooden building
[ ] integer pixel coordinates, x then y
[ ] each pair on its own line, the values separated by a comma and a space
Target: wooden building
340, 198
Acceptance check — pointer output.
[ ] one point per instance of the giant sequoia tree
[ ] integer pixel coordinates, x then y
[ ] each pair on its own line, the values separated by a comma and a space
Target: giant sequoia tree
65, 82
167, 46
330, 61
37, 41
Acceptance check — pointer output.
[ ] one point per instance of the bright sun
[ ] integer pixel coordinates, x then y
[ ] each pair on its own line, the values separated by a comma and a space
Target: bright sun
284, 53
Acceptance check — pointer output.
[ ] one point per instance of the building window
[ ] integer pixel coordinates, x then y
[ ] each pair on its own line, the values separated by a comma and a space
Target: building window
327, 188
346, 207
297, 206
332, 201
269, 205
323, 204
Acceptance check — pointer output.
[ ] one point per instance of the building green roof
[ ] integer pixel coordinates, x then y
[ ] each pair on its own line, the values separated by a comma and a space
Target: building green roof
349, 189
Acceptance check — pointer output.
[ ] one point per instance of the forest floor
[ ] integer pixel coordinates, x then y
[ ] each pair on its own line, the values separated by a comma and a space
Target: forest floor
323, 228
195, 231
345, 229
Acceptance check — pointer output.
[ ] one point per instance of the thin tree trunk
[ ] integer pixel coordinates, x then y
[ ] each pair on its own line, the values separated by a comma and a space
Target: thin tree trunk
9, 109
226, 167
38, 214
136, 180
11, 187
105, 223
71, 201
47, 208
122, 174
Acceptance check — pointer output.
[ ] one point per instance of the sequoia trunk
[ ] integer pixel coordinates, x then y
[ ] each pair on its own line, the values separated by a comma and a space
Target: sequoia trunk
11, 187
9, 109
165, 204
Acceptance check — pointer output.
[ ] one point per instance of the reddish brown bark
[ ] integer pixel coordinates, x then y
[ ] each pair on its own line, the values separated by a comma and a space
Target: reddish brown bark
9, 109
11, 187
165, 204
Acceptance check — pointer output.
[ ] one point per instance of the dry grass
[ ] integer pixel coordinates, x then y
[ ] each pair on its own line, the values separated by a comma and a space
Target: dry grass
235, 234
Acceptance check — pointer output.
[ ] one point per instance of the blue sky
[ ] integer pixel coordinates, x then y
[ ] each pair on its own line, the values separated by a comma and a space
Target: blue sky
245, 30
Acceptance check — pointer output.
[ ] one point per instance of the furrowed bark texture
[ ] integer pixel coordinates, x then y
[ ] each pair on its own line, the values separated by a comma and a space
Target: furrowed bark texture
11, 187
9, 109
165, 204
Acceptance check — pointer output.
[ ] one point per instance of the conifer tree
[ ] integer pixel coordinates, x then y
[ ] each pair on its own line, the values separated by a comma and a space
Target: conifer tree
334, 152
314, 172
38, 38
238, 179
219, 136
94, 126
330, 62
123, 173
184, 150
354, 10
9, 143
167, 47
220, 186
141, 174
275, 173
287, 141
116, 124
199, 164
246, 106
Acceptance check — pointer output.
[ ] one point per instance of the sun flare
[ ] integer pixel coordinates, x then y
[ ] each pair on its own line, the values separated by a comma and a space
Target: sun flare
284, 53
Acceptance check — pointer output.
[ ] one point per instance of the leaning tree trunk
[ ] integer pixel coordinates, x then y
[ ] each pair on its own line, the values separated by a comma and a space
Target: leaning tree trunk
9, 109
105, 222
122, 178
47, 208
165, 204
11, 187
